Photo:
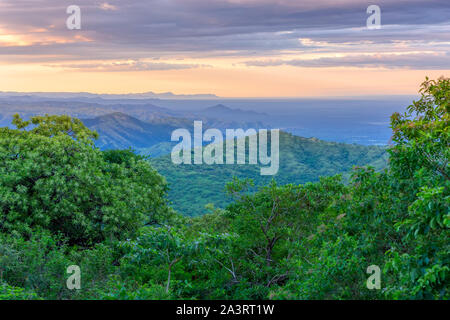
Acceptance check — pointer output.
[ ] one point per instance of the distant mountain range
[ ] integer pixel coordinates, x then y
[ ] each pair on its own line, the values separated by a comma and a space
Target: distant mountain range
124, 125
121, 131
79, 109
74, 95
350, 121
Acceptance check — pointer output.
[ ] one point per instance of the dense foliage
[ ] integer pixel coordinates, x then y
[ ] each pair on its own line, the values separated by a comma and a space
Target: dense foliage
52, 178
302, 160
63, 202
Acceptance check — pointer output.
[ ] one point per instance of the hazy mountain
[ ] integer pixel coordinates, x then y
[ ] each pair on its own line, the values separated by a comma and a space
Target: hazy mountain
121, 131
72, 95
344, 120
219, 117
79, 109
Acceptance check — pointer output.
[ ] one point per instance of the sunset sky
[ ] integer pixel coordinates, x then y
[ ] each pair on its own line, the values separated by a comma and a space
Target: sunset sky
231, 48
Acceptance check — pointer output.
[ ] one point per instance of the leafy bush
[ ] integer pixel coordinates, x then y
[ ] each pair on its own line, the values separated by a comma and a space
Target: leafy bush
13, 293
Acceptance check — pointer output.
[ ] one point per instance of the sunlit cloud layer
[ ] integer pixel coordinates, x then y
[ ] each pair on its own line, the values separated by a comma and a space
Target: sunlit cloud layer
127, 66
182, 35
418, 61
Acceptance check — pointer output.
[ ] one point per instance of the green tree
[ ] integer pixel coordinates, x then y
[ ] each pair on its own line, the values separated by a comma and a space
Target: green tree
155, 247
52, 177
420, 163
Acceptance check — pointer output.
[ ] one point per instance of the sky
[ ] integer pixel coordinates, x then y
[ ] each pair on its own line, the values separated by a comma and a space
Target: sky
231, 48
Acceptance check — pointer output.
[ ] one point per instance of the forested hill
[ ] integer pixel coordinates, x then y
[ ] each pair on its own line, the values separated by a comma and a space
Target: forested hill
121, 131
301, 160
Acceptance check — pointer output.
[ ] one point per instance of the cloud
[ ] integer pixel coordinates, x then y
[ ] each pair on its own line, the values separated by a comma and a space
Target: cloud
106, 6
127, 66
138, 30
419, 61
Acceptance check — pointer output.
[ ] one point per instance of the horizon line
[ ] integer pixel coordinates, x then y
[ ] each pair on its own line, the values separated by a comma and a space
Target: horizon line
200, 96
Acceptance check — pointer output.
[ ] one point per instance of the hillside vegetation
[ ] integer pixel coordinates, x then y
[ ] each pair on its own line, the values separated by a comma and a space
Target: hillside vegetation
64, 202
302, 160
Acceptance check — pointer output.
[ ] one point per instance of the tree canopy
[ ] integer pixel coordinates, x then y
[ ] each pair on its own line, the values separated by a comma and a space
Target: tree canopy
53, 178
